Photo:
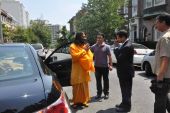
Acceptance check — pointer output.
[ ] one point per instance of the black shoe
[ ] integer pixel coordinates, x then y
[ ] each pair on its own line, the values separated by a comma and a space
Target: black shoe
98, 97
121, 109
119, 105
76, 106
85, 105
106, 96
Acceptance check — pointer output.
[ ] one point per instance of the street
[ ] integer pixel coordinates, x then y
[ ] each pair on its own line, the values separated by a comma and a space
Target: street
142, 98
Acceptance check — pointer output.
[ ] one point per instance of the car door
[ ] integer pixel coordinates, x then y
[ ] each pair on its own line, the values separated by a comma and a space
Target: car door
59, 61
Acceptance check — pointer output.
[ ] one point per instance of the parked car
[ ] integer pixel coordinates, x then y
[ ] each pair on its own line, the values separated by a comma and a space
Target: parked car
40, 49
147, 64
139, 52
27, 85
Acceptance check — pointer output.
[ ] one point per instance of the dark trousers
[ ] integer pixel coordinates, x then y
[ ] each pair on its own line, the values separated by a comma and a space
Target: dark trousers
126, 90
102, 72
162, 101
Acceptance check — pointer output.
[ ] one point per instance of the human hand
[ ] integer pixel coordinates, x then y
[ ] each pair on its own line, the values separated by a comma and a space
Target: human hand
86, 47
110, 68
159, 78
116, 43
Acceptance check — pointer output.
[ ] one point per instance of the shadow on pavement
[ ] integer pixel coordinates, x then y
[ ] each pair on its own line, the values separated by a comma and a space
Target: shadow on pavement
144, 75
96, 100
137, 68
77, 109
110, 110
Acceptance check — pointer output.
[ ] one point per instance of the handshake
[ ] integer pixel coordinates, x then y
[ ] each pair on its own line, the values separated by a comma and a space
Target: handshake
159, 87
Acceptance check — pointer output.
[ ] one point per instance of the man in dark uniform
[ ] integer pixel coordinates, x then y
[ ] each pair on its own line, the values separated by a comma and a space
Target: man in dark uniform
125, 70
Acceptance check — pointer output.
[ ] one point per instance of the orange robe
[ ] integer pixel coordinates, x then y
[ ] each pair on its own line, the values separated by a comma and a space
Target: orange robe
82, 64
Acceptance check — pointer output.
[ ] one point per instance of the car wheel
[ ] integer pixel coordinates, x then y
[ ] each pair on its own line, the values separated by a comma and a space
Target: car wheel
148, 69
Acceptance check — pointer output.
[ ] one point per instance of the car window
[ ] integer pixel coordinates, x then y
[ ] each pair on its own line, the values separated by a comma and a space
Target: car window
14, 62
64, 49
61, 54
44, 68
37, 46
139, 46
152, 53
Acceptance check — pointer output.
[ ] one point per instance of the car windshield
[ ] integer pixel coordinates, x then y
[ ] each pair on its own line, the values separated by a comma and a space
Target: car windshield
14, 63
37, 46
139, 46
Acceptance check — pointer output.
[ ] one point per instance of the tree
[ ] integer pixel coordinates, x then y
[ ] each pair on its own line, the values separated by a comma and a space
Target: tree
100, 16
32, 38
7, 32
65, 37
41, 31
19, 35
37, 32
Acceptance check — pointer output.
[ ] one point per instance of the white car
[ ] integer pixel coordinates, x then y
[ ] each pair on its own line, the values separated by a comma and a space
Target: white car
139, 52
40, 49
147, 64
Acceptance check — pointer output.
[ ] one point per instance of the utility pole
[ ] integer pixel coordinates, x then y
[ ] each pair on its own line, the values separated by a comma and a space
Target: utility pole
1, 33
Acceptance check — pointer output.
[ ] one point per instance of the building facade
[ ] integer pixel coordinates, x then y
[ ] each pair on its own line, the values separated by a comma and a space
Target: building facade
153, 8
8, 22
16, 9
135, 20
7, 19
72, 24
142, 18
55, 29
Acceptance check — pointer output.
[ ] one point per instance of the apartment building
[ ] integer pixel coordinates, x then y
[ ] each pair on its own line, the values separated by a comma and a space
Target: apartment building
135, 20
17, 10
72, 24
152, 8
54, 33
141, 19
73, 20
8, 19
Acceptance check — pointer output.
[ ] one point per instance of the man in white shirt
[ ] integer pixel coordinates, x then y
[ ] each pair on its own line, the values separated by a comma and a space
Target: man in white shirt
162, 65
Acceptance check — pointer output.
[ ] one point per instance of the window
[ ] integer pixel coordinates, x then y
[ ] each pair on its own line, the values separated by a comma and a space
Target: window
159, 2
63, 50
148, 4
61, 54
14, 62
44, 68
37, 46
134, 7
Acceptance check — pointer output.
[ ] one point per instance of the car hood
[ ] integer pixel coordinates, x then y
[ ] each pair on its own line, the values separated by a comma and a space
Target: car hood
21, 95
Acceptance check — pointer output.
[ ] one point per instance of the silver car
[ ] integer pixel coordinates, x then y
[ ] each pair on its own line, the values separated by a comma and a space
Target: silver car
40, 49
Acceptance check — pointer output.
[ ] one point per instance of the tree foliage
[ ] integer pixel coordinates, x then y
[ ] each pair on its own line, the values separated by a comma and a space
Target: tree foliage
20, 35
100, 16
38, 31
41, 31
7, 32
65, 37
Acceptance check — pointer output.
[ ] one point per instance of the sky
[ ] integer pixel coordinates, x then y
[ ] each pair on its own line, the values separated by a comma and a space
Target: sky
55, 11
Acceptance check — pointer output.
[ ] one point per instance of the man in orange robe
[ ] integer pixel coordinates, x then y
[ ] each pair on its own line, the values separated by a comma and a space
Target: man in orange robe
82, 64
